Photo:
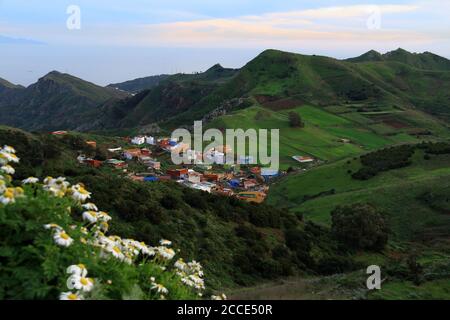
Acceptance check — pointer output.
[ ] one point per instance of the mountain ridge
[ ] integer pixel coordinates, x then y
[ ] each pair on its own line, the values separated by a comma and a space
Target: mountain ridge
274, 79
425, 60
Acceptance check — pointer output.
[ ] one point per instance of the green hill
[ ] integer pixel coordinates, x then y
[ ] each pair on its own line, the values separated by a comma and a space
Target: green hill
56, 101
281, 80
414, 199
335, 133
140, 84
275, 80
425, 61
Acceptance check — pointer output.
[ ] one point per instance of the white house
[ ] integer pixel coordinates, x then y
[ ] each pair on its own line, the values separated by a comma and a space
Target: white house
150, 140
303, 159
138, 140
202, 186
81, 158
215, 157
115, 149
194, 177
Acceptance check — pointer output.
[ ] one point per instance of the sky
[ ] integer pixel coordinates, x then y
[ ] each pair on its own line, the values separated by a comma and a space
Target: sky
107, 41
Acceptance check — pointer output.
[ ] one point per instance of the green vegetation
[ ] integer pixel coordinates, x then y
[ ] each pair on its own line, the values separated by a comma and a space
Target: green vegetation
295, 120
360, 226
414, 202
321, 137
50, 244
238, 243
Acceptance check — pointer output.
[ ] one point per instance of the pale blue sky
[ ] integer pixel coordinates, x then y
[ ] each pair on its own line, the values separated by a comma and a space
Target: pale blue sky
120, 40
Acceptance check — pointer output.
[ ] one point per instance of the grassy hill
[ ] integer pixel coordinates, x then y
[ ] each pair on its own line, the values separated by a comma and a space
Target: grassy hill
139, 84
281, 80
425, 61
56, 102
276, 80
318, 191
326, 127
414, 198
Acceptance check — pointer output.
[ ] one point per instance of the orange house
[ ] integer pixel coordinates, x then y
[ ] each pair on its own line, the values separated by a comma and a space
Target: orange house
177, 173
93, 144
94, 163
210, 177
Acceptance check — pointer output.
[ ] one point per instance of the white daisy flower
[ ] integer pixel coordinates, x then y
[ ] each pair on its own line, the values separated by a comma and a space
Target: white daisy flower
104, 216
62, 238
219, 297
8, 157
7, 169
52, 226
8, 196
70, 296
80, 283
150, 251
90, 216
30, 180
79, 193
159, 288
90, 206
180, 265
77, 269
116, 252
164, 242
166, 253
9, 149
56, 192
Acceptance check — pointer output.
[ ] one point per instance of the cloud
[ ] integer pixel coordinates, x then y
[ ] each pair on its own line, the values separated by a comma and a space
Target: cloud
10, 40
400, 25
345, 23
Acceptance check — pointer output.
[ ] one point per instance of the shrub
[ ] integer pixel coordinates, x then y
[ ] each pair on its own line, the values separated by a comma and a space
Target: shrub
52, 244
295, 120
360, 226
384, 160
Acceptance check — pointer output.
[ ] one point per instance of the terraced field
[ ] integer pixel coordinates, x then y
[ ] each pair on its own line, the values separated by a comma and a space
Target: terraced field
324, 130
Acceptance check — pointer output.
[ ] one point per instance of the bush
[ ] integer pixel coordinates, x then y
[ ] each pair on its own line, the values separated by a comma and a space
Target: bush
384, 160
360, 226
45, 228
295, 121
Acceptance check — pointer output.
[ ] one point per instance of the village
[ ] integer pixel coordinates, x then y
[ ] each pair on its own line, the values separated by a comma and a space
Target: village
147, 159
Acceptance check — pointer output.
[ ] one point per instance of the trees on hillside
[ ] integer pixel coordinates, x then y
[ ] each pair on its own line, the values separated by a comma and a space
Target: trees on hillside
295, 121
360, 226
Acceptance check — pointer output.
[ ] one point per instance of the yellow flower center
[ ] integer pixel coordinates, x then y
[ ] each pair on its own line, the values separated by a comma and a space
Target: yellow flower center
84, 281
64, 235
116, 249
8, 194
72, 296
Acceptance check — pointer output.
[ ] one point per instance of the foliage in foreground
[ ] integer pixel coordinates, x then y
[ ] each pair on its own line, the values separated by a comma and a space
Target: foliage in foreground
238, 243
54, 246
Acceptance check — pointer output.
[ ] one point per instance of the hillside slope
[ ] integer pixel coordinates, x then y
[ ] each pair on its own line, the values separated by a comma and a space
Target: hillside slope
281, 80
238, 243
56, 101
425, 60
139, 84
274, 79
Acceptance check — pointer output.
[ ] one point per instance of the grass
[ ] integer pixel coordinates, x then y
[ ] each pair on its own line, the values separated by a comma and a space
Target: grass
396, 191
319, 138
405, 290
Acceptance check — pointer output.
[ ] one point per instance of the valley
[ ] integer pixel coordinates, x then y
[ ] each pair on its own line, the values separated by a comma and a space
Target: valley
372, 130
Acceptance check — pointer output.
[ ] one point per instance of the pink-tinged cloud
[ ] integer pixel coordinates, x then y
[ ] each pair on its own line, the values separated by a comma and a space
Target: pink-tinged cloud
281, 28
